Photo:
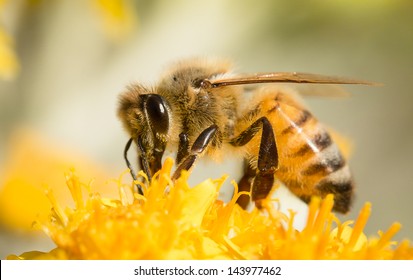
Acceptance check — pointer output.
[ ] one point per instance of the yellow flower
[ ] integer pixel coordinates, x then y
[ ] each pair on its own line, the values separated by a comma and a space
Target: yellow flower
173, 221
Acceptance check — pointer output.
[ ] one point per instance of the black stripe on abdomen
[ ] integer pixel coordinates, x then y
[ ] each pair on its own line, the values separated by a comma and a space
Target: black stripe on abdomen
328, 163
342, 190
321, 140
304, 117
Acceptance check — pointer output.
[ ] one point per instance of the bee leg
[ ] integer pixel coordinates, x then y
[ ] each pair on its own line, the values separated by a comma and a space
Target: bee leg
267, 158
197, 148
183, 148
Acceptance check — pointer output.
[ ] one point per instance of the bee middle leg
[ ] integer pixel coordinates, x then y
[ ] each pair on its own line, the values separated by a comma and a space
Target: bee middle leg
263, 177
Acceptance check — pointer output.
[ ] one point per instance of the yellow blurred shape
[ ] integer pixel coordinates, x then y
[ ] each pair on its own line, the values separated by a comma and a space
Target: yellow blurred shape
34, 165
118, 17
9, 65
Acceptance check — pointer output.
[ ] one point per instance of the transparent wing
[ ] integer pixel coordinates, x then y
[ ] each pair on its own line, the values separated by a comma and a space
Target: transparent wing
283, 77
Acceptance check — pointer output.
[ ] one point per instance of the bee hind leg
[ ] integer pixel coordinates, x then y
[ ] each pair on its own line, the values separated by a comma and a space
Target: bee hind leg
198, 147
267, 161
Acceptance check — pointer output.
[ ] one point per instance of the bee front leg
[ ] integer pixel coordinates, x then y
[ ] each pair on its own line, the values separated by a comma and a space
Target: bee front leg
197, 148
183, 148
267, 161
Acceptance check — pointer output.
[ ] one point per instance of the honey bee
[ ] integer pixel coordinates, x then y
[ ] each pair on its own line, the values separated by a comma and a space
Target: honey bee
199, 108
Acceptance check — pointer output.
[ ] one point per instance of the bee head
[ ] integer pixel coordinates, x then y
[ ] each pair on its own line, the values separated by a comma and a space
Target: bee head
146, 117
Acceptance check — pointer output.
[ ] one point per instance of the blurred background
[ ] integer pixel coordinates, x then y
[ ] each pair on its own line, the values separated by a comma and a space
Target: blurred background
63, 64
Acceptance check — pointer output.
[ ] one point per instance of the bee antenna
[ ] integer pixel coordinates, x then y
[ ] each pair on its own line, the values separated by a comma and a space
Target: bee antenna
206, 84
128, 164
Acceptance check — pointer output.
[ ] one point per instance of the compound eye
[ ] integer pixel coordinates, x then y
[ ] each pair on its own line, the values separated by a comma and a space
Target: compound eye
155, 107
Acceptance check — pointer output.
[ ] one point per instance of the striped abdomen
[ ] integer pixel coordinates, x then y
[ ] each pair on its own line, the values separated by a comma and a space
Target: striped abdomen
310, 163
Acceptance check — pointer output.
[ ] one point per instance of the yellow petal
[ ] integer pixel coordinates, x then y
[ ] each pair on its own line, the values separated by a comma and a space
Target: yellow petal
197, 201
